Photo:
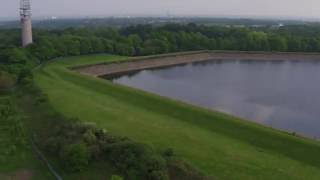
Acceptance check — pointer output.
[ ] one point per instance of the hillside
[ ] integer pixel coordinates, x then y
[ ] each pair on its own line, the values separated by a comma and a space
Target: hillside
217, 144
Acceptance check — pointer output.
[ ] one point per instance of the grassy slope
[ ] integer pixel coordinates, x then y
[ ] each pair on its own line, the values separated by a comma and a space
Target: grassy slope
21, 159
217, 144
35, 114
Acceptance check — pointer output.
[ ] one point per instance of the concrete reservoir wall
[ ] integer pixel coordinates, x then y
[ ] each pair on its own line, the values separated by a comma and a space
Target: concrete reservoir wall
135, 64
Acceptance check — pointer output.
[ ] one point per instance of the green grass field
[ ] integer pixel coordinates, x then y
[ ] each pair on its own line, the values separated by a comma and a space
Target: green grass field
17, 160
217, 144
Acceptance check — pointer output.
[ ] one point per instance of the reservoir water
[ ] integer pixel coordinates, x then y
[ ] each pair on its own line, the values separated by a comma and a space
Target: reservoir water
281, 94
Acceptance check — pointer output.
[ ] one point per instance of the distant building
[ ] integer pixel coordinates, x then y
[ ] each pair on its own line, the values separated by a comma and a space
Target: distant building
26, 25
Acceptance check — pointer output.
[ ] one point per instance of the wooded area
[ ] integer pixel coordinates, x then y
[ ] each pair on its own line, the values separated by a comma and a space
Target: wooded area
146, 40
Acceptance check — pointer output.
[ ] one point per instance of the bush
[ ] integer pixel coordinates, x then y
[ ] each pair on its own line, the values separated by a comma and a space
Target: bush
168, 153
180, 170
7, 80
75, 157
89, 137
116, 177
156, 168
136, 161
25, 76
133, 160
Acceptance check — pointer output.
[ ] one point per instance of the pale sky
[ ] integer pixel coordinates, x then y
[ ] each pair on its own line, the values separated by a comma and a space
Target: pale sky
259, 8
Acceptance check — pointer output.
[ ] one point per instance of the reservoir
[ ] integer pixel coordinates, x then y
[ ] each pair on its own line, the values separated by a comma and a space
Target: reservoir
281, 94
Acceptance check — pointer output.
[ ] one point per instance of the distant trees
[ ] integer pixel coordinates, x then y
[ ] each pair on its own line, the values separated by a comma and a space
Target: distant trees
146, 40
277, 43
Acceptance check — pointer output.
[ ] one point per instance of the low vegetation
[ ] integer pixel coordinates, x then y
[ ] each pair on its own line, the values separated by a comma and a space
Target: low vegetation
17, 160
7, 81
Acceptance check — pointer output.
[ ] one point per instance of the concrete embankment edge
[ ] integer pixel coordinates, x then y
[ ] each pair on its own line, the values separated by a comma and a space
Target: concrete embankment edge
159, 61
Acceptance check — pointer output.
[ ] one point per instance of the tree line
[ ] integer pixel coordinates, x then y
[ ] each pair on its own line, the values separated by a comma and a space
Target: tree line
147, 40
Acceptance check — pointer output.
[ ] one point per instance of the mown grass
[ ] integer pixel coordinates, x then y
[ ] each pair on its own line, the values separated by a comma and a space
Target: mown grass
217, 144
40, 119
17, 160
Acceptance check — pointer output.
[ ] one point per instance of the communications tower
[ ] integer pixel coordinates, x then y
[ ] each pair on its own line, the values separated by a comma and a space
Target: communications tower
26, 25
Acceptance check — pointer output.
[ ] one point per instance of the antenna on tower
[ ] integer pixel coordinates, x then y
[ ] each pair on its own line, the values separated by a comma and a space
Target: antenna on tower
26, 25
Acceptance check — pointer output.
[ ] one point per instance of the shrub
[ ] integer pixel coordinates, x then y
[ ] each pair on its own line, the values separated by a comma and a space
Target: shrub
25, 76
89, 137
180, 170
168, 153
75, 157
136, 161
42, 98
133, 160
156, 168
7, 80
116, 177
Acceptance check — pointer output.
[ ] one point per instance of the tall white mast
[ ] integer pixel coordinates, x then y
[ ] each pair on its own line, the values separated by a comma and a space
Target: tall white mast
26, 25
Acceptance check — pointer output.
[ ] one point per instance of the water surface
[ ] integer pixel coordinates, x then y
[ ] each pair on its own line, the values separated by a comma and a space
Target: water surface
280, 94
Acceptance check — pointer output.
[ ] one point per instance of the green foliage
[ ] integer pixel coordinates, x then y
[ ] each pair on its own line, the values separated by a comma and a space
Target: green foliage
75, 157
147, 40
133, 160
14, 56
179, 170
15, 152
137, 161
6, 80
11, 123
278, 43
116, 177
168, 153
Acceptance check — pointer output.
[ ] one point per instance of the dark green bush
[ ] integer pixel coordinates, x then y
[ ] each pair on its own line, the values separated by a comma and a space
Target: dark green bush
168, 153
7, 81
180, 170
75, 157
137, 161
133, 160
116, 177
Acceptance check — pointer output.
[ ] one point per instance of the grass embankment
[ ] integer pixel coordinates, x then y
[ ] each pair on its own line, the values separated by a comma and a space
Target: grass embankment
219, 145
17, 160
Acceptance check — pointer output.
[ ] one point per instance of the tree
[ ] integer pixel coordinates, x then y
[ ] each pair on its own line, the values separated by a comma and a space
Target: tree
155, 46
14, 55
124, 49
294, 44
85, 46
97, 45
72, 45
277, 43
256, 41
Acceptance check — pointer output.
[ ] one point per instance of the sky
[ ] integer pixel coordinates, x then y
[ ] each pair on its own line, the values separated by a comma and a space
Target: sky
235, 8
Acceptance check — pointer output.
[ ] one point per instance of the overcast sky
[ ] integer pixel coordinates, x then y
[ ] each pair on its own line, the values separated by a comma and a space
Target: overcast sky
260, 8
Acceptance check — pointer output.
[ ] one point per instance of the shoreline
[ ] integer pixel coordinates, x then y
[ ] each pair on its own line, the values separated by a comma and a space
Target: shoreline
167, 60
